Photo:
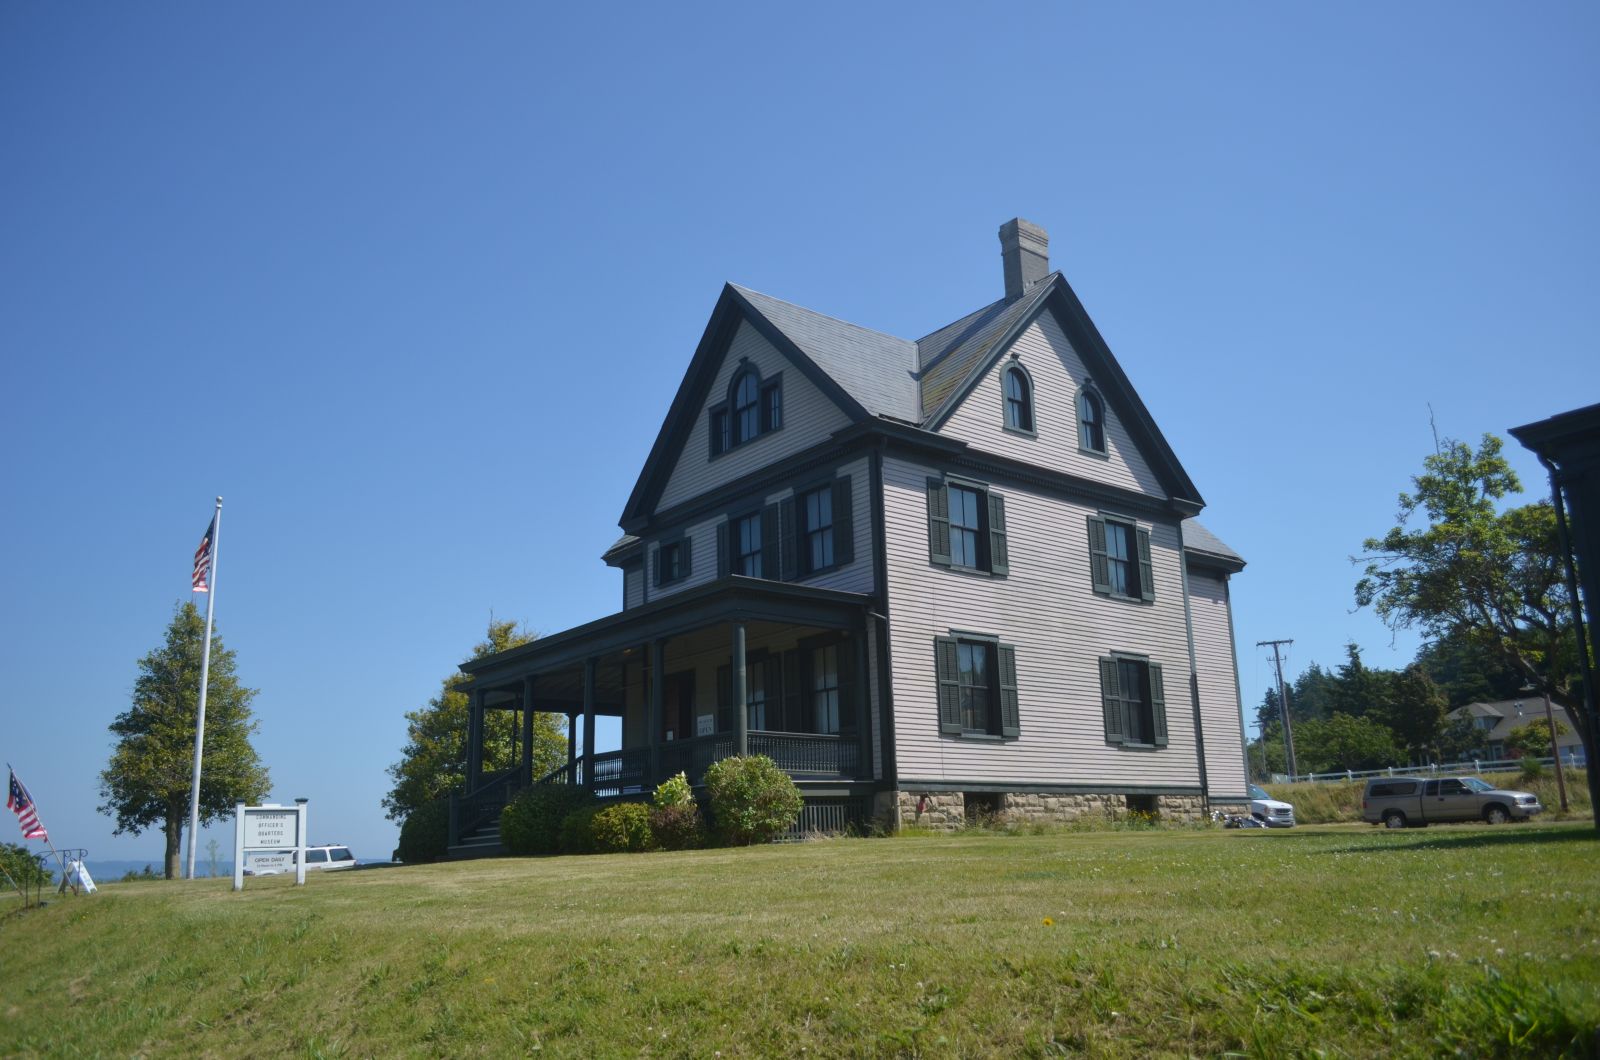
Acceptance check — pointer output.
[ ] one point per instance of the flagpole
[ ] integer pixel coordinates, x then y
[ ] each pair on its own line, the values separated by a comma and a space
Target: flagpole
205, 676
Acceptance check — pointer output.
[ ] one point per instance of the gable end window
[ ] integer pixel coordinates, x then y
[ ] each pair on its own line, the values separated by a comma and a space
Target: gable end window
1119, 559
977, 681
1133, 699
967, 527
753, 407
1018, 390
1091, 422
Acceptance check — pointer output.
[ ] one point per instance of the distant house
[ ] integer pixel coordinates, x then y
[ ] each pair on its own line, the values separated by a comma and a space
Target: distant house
928, 577
1496, 721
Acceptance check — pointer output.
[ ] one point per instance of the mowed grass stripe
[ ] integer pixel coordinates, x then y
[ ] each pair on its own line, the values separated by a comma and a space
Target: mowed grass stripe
1348, 940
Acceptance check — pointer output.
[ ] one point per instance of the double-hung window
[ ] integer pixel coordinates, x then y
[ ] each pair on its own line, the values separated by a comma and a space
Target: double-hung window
1133, 699
747, 545
1018, 400
746, 408
672, 561
1119, 558
967, 527
977, 682
816, 538
825, 689
1091, 422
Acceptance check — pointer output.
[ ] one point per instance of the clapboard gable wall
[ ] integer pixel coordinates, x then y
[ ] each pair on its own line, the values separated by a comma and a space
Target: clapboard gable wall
809, 417
1058, 375
1060, 628
1218, 683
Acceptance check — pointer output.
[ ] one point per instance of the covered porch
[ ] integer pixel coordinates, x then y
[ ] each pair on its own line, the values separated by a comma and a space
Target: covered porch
798, 659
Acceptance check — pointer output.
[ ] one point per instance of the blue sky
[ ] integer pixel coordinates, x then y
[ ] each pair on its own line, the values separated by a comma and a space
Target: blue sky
412, 285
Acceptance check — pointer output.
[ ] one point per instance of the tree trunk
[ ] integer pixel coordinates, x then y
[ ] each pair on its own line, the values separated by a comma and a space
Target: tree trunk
176, 816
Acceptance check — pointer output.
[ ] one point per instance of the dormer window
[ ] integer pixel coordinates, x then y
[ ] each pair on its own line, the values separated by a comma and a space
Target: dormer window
754, 407
1018, 400
1091, 422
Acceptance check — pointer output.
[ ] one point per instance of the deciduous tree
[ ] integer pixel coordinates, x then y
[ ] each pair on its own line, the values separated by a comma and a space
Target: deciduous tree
147, 781
1491, 578
434, 760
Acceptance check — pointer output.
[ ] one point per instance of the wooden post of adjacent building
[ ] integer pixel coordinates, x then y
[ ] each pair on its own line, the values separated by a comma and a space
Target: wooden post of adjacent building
741, 697
589, 668
572, 746
474, 739
863, 697
658, 682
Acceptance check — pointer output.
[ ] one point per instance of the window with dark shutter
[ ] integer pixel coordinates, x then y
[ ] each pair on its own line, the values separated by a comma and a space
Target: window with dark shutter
1010, 709
1158, 706
1111, 700
788, 545
1099, 563
977, 687
771, 560
967, 527
1147, 580
1119, 558
948, 673
999, 553
938, 522
1134, 701
844, 538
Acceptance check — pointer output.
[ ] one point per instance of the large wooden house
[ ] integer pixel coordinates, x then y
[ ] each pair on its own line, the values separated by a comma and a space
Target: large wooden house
928, 578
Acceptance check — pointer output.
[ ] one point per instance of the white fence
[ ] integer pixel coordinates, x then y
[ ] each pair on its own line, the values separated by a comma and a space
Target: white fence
1571, 760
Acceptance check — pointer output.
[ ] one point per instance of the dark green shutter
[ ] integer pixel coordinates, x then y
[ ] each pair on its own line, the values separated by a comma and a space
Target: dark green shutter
948, 671
1099, 563
787, 545
686, 558
1010, 712
938, 522
792, 696
844, 534
724, 563
771, 563
1158, 704
1147, 574
655, 567
999, 554
1111, 700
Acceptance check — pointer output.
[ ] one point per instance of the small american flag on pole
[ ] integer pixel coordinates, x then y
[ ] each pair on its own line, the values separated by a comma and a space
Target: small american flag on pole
21, 803
202, 559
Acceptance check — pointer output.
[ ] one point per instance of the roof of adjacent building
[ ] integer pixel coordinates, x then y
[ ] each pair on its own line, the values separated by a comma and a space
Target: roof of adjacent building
1200, 541
1512, 714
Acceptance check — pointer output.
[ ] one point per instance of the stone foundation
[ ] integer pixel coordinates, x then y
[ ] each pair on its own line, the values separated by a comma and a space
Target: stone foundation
946, 811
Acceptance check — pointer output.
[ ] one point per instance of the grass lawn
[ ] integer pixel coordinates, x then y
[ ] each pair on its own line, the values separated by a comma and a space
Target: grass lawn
1343, 939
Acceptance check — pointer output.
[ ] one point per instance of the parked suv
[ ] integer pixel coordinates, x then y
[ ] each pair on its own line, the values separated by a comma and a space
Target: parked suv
270, 863
1411, 802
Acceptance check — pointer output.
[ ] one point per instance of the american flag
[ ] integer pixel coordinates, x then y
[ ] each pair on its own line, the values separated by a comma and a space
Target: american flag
202, 559
21, 803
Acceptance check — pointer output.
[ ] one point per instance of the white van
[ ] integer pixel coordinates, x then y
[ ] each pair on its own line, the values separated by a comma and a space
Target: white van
272, 862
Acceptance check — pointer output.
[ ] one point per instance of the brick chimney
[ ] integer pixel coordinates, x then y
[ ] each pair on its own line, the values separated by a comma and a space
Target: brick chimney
1025, 250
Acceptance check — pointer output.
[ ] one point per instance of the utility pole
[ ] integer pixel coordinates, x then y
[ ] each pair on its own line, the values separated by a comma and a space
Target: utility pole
1283, 703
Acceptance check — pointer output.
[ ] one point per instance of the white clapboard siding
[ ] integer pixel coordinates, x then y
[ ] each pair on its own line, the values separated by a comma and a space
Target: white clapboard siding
1219, 687
855, 576
1047, 609
809, 416
632, 587
1058, 374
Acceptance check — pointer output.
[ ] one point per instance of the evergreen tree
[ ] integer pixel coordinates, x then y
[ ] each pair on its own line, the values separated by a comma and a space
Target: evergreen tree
148, 778
434, 759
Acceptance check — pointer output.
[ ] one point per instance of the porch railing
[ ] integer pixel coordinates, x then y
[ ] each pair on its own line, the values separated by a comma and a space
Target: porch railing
472, 810
619, 772
807, 753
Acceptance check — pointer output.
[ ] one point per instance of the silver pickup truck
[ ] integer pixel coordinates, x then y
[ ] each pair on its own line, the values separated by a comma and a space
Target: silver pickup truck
1411, 802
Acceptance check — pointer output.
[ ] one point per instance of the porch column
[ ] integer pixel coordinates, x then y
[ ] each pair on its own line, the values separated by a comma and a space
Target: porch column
658, 694
589, 666
572, 744
741, 709
474, 738
863, 697
527, 731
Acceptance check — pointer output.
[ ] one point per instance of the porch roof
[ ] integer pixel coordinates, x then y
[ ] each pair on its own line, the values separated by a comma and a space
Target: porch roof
731, 598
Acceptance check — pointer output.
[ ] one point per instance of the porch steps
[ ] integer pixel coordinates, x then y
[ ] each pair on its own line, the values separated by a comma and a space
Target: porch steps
484, 843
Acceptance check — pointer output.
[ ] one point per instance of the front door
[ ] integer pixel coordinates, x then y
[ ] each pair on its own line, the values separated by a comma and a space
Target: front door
677, 708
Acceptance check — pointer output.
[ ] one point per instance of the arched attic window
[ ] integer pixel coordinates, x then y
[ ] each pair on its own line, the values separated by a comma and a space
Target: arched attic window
1018, 399
1091, 421
753, 407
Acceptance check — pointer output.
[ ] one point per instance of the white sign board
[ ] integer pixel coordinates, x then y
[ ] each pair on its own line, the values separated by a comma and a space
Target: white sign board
705, 725
269, 833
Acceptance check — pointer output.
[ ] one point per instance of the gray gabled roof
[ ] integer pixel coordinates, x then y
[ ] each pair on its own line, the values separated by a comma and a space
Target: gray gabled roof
877, 370
1199, 540
949, 356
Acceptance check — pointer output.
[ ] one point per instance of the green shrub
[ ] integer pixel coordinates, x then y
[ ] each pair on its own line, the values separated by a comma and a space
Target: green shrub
425, 836
674, 791
577, 831
677, 827
622, 828
532, 822
1532, 768
752, 800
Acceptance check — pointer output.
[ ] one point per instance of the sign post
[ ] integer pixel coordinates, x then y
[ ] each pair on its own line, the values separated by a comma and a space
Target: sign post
269, 827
